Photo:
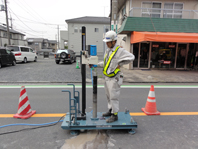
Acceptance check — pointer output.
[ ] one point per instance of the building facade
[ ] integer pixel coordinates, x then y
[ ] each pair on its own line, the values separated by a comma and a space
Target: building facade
96, 27
63, 39
161, 34
16, 38
38, 44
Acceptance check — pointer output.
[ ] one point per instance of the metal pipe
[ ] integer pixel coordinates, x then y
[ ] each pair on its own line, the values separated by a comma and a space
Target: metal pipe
83, 72
94, 94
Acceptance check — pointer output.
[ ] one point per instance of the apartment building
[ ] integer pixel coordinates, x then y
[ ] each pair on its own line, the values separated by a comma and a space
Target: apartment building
16, 38
161, 34
38, 44
96, 27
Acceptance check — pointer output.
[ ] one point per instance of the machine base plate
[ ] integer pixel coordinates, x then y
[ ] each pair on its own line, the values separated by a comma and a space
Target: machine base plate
125, 121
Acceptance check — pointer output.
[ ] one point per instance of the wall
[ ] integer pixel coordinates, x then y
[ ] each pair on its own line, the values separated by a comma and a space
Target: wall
188, 5
63, 38
92, 37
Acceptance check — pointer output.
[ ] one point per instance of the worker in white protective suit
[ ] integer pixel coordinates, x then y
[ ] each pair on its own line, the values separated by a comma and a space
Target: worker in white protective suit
114, 58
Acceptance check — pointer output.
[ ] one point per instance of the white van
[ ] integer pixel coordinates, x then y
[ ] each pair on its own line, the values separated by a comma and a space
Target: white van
23, 53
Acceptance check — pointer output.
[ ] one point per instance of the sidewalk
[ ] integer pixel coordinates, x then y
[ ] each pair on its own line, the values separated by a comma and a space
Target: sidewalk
163, 76
158, 76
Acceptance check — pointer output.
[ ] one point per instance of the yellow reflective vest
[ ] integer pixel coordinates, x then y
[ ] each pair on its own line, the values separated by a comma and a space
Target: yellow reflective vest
106, 65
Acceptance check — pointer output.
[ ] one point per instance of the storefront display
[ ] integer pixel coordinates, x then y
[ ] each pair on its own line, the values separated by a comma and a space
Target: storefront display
164, 55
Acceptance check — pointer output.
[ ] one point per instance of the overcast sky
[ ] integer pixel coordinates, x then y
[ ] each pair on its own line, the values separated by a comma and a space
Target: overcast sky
40, 18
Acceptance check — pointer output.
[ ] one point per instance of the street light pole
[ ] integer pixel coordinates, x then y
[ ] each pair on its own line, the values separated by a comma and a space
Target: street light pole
8, 31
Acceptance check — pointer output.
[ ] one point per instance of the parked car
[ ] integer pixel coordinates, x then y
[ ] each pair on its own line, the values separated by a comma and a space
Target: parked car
6, 57
23, 53
65, 56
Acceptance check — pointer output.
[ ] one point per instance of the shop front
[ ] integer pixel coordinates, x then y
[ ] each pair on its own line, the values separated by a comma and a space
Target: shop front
164, 50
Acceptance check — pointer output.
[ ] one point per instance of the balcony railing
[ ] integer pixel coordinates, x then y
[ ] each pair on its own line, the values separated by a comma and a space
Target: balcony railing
163, 13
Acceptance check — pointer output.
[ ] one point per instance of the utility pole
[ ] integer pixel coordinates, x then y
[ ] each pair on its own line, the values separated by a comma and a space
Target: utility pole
58, 36
8, 31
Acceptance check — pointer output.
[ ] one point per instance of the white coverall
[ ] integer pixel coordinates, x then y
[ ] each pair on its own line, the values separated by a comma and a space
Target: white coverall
112, 85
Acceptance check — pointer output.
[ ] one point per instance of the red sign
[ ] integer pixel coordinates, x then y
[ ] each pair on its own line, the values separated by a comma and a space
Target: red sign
171, 46
155, 46
167, 62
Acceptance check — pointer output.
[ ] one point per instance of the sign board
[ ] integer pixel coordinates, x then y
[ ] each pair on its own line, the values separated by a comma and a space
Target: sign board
167, 62
171, 46
156, 46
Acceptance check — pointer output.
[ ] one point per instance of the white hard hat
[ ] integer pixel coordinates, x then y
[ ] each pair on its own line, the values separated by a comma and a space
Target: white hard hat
110, 36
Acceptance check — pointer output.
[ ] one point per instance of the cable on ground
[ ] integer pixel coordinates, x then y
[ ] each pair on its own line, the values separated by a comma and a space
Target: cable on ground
40, 126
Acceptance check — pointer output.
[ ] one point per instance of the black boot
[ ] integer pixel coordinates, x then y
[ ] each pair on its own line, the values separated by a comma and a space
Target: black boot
107, 113
112, 119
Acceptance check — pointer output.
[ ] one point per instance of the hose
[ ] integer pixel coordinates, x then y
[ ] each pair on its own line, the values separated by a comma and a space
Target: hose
25, 124
38, 126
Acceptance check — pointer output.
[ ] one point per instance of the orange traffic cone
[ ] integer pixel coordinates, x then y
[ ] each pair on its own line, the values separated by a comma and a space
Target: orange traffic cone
150, 107
24, 108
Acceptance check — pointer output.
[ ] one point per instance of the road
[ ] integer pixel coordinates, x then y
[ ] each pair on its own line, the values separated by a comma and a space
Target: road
176, 127
42, 71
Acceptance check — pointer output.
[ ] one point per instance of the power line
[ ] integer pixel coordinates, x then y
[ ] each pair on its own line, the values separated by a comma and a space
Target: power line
30, 21
27, 11
22, 22
25, 24
35, 11
44, 21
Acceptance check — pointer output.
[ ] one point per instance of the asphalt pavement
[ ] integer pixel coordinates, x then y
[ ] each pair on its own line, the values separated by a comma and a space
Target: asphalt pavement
176, 127
44, 81
47, 71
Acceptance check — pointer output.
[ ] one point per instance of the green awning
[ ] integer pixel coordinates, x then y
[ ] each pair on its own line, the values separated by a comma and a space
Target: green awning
158, 25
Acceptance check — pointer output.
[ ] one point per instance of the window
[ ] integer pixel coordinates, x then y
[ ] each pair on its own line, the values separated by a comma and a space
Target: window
31, 50
23, 49
151, 9
4, 34
75, 29
13, 48
8, 52
96, 29
175, 10
3, 51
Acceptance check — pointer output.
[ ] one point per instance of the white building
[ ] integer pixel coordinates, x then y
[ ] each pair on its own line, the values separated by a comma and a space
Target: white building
95, 29
161, 34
